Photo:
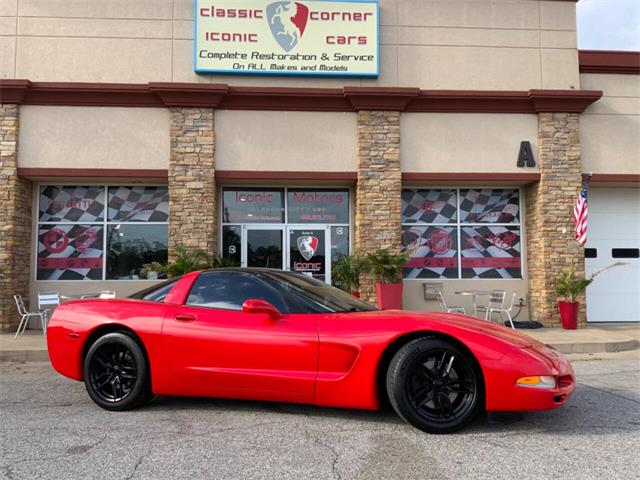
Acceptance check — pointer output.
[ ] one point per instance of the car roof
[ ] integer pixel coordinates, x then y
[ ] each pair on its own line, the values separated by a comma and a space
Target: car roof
266, 271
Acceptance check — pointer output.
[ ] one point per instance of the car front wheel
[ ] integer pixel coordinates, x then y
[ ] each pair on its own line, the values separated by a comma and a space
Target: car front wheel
434, 385
116, 374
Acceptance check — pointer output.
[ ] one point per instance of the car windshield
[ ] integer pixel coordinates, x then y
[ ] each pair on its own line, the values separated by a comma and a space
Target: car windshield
328, 298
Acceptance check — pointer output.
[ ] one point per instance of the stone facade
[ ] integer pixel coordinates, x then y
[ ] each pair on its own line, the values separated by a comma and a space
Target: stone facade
15, 221
551, 244
192, 188
378, 193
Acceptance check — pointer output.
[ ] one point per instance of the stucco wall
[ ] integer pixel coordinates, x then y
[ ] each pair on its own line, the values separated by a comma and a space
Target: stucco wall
462, 44
287, 141
94, 137
610, 128
438, 142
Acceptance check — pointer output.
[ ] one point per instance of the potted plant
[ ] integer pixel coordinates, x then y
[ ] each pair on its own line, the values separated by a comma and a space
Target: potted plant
185, 261
188, 260
386, 268
569, 287
346, 273
153, 270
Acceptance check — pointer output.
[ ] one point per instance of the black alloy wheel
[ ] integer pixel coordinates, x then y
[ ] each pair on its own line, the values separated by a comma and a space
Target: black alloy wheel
116, 374
434, 385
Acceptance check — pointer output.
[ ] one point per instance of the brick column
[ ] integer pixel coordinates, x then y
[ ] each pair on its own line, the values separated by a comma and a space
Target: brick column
192, 187
15, 221
378, 193
551, 244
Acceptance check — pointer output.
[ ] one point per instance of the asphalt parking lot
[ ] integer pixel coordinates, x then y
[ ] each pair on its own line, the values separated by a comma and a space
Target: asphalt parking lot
51, 430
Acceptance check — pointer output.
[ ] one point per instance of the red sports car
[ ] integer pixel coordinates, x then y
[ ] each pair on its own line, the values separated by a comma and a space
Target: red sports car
272, 335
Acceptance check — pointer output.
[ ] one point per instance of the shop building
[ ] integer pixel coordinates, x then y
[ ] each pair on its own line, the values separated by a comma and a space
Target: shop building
467, 145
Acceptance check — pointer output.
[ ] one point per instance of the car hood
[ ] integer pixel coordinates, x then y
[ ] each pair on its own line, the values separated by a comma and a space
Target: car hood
462, 322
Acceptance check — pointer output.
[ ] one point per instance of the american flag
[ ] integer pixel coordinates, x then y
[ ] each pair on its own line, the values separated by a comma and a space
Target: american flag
580, 213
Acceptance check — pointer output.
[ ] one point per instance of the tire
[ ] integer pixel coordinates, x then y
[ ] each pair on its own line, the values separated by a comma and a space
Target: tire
434, 385
116, 372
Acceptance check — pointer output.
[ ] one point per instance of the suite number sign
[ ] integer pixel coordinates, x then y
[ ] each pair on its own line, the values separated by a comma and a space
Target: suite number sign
319, 38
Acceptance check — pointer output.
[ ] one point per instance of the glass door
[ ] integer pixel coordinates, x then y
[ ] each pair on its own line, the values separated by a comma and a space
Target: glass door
263, 247
308, 252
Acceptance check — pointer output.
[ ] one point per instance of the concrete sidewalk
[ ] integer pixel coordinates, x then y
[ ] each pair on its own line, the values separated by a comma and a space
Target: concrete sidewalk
603, 338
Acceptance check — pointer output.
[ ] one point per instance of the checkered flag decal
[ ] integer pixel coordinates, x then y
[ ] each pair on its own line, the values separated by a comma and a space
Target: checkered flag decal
138, 204
428, 206
490, 252
71, 204
70, 252
489, 206
433, 252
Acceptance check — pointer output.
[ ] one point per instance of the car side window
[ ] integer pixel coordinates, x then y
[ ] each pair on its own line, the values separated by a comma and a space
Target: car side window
229, 290
157, 293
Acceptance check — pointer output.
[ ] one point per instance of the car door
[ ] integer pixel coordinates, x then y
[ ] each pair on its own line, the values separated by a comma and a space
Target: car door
210, 341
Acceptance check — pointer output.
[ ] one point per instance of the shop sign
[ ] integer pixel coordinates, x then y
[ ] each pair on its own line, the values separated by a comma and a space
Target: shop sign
307, 251
315, 38
253, 206
318, 206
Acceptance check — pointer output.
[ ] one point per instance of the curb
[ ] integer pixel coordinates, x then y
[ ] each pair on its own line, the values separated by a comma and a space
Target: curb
596, 347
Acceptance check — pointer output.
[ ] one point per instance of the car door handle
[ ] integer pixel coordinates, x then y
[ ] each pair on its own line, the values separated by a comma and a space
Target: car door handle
185, 317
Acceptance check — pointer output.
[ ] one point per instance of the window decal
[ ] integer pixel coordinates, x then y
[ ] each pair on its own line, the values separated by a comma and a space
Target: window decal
138, 204
318, 206
490, 252
249, 205
489, 206
433, 252
429, 206
71, 204
70, 252
487, 228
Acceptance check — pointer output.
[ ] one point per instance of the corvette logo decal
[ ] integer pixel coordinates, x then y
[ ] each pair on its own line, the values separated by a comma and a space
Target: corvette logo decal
288, 21
307, 246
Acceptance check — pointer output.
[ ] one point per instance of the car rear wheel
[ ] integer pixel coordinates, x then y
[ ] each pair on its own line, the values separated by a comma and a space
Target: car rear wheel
434, 385
116, 373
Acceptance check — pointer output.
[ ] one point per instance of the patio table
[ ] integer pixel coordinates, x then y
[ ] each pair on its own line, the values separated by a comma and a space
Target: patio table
474, 294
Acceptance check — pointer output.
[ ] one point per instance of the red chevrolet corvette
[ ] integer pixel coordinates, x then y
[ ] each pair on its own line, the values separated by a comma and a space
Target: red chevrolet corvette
272, 335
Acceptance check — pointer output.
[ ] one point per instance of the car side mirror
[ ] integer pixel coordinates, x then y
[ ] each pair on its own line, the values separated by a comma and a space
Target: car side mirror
253, 305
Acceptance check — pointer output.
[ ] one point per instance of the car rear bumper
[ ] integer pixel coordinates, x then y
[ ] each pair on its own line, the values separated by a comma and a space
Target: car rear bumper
504, 395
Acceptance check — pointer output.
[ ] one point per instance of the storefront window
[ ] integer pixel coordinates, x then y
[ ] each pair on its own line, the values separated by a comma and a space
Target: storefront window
130, 246
231, 243
462, 233
297, 229
317, 206
253, 205
75, 223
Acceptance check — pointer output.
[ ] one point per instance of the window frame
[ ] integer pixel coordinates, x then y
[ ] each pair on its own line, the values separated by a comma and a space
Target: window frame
279, 186
458, 225
104, 224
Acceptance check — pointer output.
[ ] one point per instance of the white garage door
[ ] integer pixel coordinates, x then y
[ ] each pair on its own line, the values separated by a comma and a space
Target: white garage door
613, 236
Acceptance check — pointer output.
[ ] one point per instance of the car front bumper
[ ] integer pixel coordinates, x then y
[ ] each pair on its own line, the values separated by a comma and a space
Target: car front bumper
504, 395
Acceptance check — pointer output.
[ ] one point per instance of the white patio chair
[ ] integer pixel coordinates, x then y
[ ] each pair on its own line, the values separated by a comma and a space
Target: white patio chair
107, 294
25, 315
507, 311
47, 302
447, 308
496, 301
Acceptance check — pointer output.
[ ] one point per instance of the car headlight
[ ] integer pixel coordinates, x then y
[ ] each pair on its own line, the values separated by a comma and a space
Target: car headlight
537, 381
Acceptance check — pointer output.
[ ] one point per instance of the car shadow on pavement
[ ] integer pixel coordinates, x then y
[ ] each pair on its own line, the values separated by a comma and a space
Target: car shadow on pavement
590, 409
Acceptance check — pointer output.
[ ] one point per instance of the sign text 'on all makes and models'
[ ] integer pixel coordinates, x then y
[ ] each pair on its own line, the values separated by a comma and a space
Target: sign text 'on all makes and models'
287, 38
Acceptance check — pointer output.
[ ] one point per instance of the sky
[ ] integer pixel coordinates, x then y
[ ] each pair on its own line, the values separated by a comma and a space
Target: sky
609, 25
